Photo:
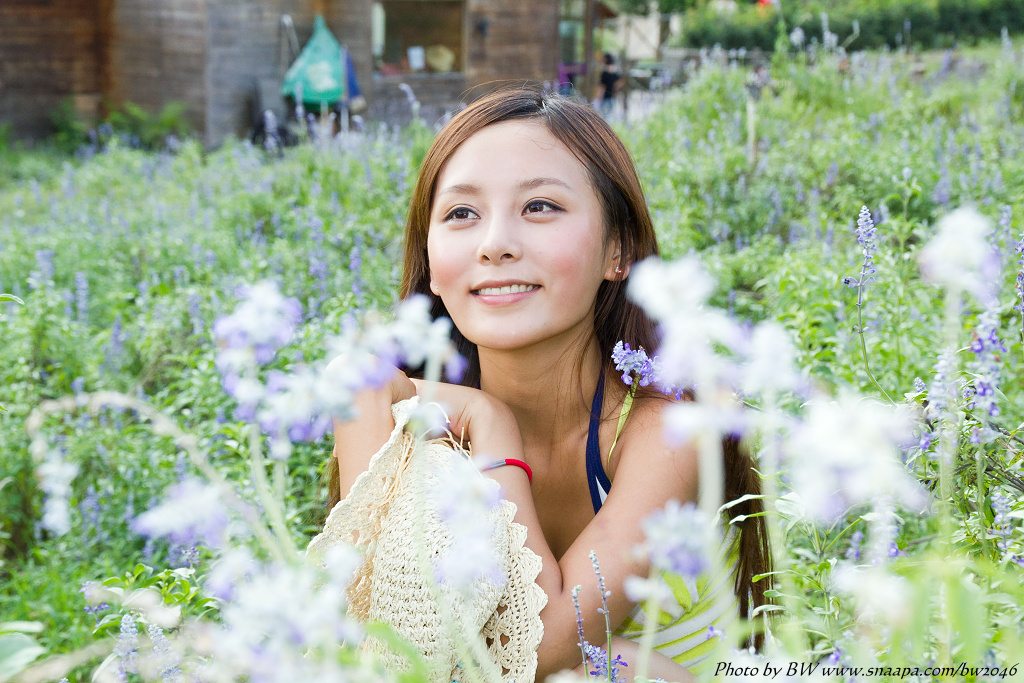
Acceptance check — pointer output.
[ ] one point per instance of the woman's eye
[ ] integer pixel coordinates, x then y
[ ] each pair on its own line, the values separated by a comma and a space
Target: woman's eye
459, 213
540, 206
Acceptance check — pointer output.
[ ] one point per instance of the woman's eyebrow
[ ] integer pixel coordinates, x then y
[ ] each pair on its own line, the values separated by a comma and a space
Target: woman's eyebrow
538, 182
460, 188
532, 184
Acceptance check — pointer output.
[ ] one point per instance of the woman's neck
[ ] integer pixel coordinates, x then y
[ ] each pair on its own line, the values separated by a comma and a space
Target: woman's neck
547, 386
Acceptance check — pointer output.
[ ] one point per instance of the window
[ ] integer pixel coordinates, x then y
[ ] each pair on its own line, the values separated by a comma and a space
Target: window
417, 36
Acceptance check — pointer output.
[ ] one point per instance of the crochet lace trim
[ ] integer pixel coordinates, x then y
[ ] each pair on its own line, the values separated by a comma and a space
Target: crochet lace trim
389, 507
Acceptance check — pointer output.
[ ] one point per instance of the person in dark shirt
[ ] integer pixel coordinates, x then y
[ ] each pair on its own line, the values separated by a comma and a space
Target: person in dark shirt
610, 82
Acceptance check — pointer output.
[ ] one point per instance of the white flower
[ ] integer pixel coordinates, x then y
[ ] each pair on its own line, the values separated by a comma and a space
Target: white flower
192, 512
675, 295
881, 597
769, 365
264, 322
797, 37
960, 256
464, 505
678, 538
846, 453
641, 590
278, 614
55, 476
667, 289
717, 414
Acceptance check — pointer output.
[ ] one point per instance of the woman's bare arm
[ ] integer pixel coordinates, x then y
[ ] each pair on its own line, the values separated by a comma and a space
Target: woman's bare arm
357, 440
649, 474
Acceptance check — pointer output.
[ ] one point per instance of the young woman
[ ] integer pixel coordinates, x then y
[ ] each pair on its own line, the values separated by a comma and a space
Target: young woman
525, 222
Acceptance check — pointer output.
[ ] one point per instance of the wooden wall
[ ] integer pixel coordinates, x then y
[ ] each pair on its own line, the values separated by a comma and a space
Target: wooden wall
49, 50
210, 53
521, 41
158, 52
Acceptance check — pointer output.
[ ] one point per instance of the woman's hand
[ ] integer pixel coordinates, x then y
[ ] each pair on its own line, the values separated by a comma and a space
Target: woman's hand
474, 416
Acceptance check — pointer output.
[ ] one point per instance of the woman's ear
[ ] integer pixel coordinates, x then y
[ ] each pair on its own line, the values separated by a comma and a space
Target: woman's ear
616, 270
434, 288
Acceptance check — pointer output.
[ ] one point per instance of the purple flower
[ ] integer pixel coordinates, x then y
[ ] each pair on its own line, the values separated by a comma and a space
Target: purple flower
82, 297
115, 346
678, 538
866, 235
853, 552
1003, 528
44, 269
192, 512
985, 364
1020, 277
628, 361
639, 368
262, 324
126, 650
604, 666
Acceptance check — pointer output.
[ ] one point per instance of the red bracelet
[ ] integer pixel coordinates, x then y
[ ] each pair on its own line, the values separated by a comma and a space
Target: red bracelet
511, 461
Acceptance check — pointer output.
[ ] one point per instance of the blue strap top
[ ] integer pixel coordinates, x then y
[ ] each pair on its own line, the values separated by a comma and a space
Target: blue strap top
597, 479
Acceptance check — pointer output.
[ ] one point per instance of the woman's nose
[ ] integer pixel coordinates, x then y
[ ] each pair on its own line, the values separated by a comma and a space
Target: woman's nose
499, 242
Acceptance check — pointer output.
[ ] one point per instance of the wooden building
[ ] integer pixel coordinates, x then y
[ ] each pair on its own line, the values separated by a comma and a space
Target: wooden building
213, 55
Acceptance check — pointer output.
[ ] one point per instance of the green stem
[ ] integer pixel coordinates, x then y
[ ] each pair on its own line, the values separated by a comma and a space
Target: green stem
863, 343
979, 486
165, 426
271, 504
652, 612
947, 451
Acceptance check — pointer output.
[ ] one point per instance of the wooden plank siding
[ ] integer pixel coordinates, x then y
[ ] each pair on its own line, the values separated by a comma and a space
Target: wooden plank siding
49, 50
521, 41
158, 54
209, 55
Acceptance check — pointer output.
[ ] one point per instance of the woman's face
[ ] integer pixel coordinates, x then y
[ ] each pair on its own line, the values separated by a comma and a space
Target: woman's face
516, 241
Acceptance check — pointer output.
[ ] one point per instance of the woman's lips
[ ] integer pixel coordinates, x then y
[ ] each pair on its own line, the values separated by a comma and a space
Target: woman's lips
504, 294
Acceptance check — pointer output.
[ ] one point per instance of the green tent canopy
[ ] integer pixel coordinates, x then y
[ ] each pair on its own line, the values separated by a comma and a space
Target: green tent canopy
317, 76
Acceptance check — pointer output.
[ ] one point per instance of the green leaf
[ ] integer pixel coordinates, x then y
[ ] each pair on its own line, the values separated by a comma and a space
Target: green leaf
17, 651
766, 608
21, 627
11, 297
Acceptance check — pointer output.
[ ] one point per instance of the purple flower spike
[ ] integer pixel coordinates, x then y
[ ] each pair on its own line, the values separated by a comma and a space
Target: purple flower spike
628, 361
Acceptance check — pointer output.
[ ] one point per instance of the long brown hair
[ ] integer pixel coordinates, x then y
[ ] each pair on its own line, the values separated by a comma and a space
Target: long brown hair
628, 222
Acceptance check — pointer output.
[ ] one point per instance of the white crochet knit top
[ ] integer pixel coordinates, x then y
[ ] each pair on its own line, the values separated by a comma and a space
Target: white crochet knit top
391, 516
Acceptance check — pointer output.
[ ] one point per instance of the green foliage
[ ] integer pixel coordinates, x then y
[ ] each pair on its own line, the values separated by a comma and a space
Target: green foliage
163, 240
151, 130
931, 23
129, 123
17, 648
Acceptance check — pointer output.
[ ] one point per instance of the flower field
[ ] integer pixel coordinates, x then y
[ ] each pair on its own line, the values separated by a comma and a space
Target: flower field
887, 403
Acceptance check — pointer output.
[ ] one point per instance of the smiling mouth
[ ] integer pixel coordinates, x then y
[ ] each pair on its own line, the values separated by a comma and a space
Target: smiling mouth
508, 289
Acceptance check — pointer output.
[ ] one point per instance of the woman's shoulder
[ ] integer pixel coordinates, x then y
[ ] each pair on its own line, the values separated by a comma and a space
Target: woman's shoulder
646, 456
645, 438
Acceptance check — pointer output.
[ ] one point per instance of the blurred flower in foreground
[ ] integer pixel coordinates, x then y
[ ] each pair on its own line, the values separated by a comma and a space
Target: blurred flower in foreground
960, 257
55, 476
276, 616
880, 596
192, 512
675, 295
845, 453
297, 406
465, 506
677, 539
263, 323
